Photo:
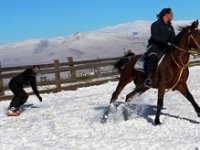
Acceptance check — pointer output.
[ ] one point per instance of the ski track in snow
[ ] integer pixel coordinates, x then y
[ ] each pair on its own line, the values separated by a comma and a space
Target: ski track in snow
71, 120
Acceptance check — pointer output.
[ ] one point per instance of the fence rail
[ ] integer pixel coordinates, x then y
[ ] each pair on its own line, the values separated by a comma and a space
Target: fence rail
68, 75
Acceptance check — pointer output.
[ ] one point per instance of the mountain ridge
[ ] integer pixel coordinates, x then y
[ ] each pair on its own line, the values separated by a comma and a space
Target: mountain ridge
110, 41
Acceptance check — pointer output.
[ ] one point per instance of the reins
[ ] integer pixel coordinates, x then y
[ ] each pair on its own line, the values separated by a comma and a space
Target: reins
183, 66
181, 71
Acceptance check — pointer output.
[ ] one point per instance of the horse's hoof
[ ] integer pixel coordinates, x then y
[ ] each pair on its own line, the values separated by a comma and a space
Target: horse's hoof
157, 122
113, 107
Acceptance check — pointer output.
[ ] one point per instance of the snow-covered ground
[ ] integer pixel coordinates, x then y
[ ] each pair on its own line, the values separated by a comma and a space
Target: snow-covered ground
70, 120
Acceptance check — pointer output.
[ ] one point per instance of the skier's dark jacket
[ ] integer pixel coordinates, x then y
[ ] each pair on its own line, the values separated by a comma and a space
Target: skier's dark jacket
28, 77
161, 34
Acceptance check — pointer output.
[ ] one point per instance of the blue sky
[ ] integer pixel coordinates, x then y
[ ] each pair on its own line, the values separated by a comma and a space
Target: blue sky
28, 19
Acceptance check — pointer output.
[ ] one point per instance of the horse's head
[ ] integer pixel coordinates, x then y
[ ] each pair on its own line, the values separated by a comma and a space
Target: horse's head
190, 36
194, 36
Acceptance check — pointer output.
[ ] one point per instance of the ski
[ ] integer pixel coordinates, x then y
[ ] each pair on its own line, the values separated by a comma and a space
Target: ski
21, 110
13, 114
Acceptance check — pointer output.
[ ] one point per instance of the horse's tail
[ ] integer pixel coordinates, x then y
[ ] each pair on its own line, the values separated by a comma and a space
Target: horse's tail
121, 63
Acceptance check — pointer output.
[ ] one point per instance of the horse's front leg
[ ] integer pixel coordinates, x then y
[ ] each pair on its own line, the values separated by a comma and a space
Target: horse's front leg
184, 90
161, 92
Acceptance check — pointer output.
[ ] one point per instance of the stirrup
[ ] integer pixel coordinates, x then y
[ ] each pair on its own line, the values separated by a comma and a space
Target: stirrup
148, 83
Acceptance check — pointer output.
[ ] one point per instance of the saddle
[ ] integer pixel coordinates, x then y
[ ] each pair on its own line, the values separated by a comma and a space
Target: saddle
139, 65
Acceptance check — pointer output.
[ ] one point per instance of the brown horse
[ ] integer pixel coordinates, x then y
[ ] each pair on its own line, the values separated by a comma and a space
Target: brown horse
172, 73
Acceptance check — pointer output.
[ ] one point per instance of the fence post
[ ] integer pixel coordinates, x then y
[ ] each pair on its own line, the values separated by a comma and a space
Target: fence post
57, 75
71, 65
97, 70
1, 83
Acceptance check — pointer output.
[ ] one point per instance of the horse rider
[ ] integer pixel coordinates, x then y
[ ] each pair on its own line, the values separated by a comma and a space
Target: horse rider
16, 85
162, 36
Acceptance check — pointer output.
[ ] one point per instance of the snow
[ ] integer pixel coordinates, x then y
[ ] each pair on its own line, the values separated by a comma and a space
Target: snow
70, 120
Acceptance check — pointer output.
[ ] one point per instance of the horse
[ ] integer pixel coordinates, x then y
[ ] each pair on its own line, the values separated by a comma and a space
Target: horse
172, 73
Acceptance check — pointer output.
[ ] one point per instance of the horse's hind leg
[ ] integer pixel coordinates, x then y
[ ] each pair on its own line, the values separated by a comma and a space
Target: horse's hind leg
124, 80
137, 90
185, 91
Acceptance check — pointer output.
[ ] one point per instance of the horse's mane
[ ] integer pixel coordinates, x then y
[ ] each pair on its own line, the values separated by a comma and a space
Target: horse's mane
182, 32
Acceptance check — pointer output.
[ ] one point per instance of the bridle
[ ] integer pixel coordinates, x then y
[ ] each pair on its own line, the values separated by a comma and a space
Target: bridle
183, 66
192, 52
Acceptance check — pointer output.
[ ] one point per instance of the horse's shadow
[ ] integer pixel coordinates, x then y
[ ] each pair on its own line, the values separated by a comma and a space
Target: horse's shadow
147, 112
143, 111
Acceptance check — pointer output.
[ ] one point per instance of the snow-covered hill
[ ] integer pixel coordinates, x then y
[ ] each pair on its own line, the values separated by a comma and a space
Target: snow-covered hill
106, 42
70, 120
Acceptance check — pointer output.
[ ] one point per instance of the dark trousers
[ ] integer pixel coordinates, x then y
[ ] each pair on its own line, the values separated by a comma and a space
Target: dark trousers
150, 65
151, 57
20, 96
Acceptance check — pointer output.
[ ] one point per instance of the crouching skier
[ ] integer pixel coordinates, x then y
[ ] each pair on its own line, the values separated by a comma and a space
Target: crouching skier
16, 85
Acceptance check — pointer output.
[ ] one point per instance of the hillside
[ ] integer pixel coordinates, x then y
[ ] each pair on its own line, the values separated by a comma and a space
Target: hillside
107, 42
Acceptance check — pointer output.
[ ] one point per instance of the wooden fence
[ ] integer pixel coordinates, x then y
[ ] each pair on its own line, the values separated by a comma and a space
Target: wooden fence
68, 75
59, 76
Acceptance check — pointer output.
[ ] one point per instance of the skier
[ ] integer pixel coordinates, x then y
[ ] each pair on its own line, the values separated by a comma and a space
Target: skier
16, 85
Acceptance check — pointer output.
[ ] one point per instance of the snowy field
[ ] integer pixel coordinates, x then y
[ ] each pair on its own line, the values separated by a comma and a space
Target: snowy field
70, 120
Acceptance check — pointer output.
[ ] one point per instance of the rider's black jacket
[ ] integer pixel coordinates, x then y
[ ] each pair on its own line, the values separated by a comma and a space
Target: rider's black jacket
161, 33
